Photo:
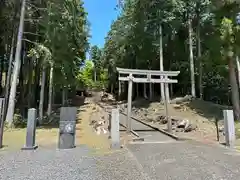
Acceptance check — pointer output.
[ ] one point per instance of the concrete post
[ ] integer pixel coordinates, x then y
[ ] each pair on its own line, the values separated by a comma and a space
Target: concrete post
229, 128
31, 130
115, 136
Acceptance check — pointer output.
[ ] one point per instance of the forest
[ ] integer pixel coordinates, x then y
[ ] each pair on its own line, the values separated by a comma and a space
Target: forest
43, 46
43, 43
199, 38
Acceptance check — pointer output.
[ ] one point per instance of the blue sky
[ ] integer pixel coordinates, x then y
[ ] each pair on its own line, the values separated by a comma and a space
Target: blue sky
101, 13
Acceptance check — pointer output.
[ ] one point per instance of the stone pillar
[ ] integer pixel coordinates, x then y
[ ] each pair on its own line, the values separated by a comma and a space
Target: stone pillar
229, 128
67, 127
115, 136
31, 130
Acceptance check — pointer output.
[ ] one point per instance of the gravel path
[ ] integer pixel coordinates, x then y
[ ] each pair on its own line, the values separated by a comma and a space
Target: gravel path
78, 163
187, 161
152, 161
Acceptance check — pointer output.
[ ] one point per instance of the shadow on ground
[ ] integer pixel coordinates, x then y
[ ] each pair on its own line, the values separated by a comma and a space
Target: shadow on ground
207, 109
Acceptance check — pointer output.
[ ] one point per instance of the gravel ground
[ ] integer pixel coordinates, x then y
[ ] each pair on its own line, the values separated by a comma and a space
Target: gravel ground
187, 161
78, 163
154, 161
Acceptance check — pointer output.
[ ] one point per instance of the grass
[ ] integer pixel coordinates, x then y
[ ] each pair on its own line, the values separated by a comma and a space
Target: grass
237, 130
237, 134
14, 139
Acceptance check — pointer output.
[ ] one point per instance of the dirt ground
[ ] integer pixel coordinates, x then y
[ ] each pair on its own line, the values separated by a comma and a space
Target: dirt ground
200, 113
85, 133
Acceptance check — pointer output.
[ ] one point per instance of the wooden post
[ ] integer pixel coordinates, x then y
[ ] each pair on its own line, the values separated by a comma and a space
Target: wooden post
129, 108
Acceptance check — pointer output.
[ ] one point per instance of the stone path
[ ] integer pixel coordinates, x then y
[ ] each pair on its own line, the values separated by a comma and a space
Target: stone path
146, 132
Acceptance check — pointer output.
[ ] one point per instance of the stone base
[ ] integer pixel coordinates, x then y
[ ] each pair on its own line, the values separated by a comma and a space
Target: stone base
115, 146
30, 148
66, 148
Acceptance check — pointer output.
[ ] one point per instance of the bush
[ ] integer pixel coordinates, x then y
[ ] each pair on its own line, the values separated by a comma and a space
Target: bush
18, 121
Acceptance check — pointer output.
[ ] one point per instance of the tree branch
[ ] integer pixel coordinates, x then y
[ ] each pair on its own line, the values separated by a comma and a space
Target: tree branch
32, 33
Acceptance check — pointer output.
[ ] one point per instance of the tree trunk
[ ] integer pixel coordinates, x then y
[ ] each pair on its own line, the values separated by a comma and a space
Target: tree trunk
234, 89
199, 54
11, 103
50, 91
111, 88
238, 70
137, 90
1, 75
119, 90
42, 95
9, 72
30, 79
150, 91
64, 97
145, 91
20, 99
36, 83
193, 90
95, 75
161, 61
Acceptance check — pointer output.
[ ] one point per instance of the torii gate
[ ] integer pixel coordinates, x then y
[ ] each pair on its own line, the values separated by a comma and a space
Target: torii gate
164, 78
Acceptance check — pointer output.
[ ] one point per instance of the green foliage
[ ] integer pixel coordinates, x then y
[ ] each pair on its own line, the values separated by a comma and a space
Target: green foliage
84, 77
96, 55
103, 79
18, 121
133, 41
55, 34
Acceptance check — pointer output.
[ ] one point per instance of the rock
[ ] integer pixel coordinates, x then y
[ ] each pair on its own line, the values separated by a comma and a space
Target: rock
93, 122
180, 100
158, 118
221, 129
190, 127
164, 120
182, 123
